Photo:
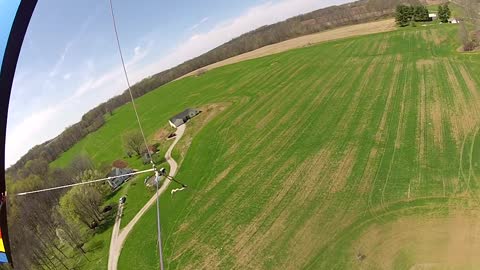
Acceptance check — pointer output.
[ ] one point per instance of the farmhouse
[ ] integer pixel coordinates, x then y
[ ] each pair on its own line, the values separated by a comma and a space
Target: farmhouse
183, 117
118, 179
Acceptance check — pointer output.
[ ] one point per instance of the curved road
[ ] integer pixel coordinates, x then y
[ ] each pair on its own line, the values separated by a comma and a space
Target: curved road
119, 236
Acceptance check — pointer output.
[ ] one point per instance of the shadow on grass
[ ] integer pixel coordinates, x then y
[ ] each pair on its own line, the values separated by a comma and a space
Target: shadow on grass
113, 193
107, 222
95, 245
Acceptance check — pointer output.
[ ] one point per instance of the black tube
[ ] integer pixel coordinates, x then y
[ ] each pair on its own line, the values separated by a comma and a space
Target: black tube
9, 64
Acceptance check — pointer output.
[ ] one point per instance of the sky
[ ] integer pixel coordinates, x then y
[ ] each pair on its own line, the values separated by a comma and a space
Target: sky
7, 13
69, 62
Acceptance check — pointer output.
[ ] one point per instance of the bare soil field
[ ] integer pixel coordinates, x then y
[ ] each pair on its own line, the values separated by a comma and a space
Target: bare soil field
407, 243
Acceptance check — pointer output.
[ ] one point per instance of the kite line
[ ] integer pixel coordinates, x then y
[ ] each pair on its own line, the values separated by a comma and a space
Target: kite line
159, 234
81, 183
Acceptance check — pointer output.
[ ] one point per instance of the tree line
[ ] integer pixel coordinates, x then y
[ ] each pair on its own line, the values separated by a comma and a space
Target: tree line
408, 14
44, 226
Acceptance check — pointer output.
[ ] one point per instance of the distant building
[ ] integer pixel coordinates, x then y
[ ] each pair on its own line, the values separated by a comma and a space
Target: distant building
119, 177
453, 20
183, 117
432, 16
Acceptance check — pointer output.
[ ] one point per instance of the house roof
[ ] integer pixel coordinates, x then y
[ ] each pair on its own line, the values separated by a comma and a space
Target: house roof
119, 171
181, 118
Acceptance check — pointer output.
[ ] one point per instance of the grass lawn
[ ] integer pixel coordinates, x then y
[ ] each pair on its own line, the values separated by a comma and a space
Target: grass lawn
356, 146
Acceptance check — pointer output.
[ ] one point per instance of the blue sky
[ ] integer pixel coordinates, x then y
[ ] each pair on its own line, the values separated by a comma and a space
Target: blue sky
7, 13
69, 62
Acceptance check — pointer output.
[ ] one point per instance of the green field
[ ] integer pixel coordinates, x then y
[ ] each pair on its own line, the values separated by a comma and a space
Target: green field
367, 145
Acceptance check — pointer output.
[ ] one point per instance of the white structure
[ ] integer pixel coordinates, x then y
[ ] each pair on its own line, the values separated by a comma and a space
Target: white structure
432, 16
453, 20
183, 117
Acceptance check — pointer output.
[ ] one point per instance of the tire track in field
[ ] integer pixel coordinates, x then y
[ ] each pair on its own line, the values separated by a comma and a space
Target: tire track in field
347, 117
259, 78
378, 137
366, 221
301, 116
398, 136
273, 78
470, 170
421, 127
305, 193
461, 118
240, 196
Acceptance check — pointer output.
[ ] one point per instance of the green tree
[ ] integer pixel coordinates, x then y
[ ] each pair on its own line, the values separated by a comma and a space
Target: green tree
444, 13
410, 10
402, 15
81, 204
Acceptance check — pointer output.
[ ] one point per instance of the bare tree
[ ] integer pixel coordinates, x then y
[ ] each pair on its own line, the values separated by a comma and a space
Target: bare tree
80, 164
133, 142
471, 21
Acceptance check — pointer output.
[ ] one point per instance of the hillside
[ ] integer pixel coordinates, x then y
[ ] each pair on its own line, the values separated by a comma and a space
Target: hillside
342, 155
313, 22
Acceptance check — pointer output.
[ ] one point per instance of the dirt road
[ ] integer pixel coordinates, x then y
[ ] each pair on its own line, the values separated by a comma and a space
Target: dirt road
119, 236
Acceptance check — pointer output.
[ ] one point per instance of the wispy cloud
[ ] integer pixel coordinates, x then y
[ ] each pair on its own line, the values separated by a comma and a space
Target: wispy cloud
195, 26
79, 34
40, 125
257, 16
61, 59
45, 123
95, 83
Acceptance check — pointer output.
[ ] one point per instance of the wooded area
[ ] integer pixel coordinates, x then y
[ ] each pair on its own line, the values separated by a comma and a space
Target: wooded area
408, 14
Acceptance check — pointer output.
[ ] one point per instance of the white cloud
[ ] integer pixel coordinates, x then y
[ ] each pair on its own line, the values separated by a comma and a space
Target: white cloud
137, 50
33, 129
113, 75
67, 76
255, 17
46, 124
83, 28
195, 26
60, 60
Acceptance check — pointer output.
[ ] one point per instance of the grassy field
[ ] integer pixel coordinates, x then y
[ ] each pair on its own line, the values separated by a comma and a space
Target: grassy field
367, 145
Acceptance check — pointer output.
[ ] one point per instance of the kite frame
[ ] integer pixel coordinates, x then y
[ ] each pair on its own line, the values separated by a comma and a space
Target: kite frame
7, 72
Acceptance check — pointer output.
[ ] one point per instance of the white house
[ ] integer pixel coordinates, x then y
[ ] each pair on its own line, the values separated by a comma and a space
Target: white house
432, 16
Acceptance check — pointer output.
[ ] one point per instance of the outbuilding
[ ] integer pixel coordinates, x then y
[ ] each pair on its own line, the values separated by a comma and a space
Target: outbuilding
183, 117
453, 20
